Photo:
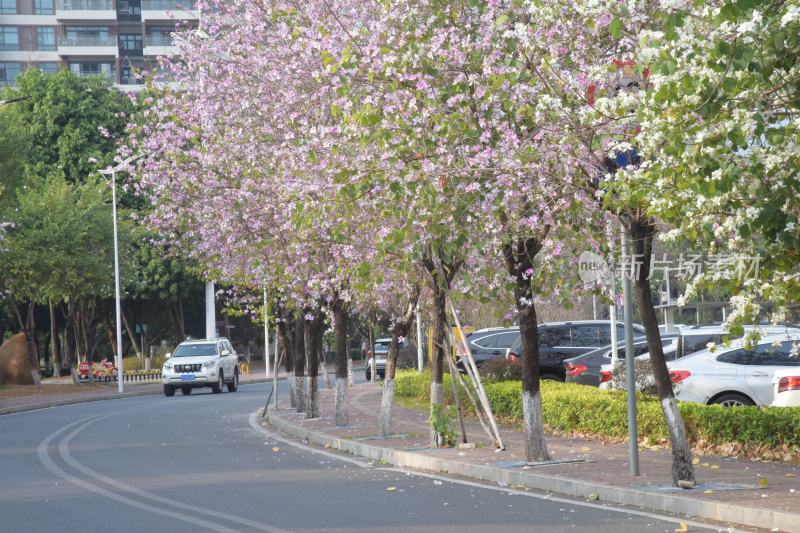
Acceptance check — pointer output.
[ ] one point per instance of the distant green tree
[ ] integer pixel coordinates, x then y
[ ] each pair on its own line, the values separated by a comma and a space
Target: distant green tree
69, 124
56, 247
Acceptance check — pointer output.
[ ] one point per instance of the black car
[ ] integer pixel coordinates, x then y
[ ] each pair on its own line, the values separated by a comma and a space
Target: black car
563, 340
585, 369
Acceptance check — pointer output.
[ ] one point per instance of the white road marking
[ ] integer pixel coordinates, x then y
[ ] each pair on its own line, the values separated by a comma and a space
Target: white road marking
63, 448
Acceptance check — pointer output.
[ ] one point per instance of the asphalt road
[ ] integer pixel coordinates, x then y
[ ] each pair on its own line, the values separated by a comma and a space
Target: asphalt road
196, 463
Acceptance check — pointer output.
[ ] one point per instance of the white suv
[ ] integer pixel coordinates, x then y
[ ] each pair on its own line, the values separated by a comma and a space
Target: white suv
201, 363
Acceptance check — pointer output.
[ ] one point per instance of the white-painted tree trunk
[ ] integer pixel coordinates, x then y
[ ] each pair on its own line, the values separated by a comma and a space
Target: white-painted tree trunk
340, 402
290, 381
300, 393
533, 421
350, 371
681, 449
436, 400
323, 367
387, 403
312, 401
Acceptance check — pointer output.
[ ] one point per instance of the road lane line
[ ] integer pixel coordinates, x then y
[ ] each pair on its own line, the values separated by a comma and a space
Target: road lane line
63, 449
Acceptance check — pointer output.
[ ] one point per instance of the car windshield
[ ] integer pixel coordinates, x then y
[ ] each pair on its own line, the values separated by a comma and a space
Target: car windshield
381, 346
194, 350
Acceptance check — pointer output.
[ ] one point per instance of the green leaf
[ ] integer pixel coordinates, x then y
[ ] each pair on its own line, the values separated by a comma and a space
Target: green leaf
615, 28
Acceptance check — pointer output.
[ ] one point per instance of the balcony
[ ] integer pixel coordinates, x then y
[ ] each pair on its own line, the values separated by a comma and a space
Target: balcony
85, 10
169, 10
159, 44
88, 46
108, 75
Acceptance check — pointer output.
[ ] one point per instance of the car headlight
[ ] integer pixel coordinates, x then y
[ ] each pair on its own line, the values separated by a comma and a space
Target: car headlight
209, 364
167, 366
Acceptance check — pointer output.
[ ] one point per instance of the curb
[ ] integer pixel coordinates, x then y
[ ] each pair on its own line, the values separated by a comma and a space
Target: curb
709, 510
86, 399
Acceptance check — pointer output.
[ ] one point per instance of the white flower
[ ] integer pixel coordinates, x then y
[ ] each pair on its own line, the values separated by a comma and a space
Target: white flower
792, 14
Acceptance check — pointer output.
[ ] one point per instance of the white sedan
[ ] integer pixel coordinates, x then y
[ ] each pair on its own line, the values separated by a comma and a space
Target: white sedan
787, 387
733, 375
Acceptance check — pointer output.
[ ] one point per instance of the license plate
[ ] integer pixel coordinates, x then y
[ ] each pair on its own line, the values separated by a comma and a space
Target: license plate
187, 377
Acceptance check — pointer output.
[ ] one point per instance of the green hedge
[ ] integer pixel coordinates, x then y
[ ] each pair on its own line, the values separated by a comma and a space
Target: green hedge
571, 408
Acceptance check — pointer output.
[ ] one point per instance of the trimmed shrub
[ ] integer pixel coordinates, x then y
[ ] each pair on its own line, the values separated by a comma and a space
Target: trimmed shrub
568, 407
501, 369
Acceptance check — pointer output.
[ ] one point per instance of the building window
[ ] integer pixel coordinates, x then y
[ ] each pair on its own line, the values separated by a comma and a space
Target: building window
8, 7
9, 38
160, 36
105, 70
8, 73
130, 41
46, 38
87, 36
43, 7
48, 68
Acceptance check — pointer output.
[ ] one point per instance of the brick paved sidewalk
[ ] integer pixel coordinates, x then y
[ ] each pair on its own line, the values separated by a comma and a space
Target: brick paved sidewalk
595, 461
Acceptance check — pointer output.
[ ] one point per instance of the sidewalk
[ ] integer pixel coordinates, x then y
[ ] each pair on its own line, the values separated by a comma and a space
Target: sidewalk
730, 490
55, 392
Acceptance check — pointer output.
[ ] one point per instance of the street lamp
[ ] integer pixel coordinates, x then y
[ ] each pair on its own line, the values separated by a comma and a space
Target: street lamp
112, 171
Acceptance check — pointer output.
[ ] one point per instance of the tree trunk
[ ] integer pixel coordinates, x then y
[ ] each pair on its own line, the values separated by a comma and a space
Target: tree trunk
341, 360
33, 351
437, 363
642, 231
176, 313
299, 364
285, 341
519, 258
322, 360
311, 340
399, 328
373, 361
54, 341
70, 349
131, 334
387, 400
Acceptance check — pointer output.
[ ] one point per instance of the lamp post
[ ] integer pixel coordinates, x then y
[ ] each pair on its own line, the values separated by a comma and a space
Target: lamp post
112, 171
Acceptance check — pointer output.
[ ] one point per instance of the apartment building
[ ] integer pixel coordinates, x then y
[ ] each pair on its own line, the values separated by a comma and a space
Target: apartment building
114, 39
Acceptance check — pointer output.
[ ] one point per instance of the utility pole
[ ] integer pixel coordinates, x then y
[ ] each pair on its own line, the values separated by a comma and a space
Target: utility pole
112, 171
630, 363
420, 358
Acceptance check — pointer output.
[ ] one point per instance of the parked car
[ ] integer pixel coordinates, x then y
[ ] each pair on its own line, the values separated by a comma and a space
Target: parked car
585, 369
669, 346
489, 343
201, 363
787, 387
734, 375
695, 338
380, 351
563, 340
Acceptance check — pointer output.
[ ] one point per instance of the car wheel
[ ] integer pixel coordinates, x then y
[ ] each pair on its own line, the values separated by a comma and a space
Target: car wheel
216, 388
169, 390
186, 391
733, 400
234, 384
